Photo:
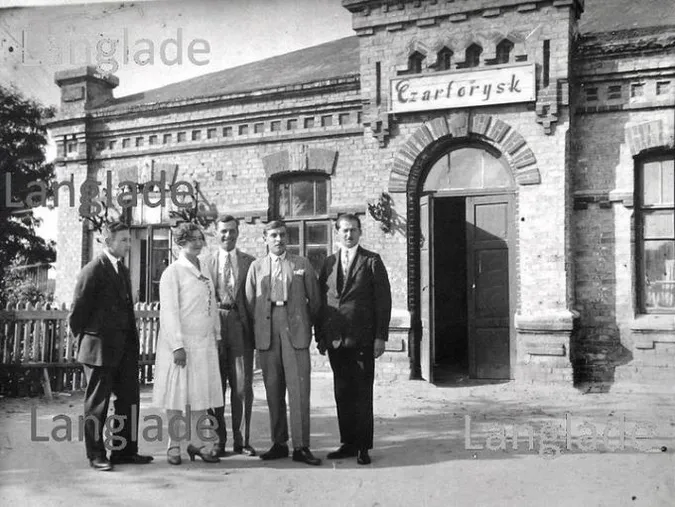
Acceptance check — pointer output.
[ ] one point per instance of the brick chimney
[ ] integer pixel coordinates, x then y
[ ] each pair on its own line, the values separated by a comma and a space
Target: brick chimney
84, 88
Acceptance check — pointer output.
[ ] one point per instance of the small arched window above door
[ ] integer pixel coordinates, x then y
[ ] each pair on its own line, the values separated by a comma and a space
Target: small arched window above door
468, 169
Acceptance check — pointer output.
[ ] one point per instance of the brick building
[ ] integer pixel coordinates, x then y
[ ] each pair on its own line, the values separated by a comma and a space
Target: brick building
512, 161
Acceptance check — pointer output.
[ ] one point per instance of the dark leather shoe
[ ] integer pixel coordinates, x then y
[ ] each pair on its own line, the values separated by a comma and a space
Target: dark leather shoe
304, 455
345, 451
132, 459
220, 452
100, 464
362, 457
244, 449
277, 451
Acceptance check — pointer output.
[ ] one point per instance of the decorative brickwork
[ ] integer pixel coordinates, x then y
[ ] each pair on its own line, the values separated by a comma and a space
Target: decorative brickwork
460, 126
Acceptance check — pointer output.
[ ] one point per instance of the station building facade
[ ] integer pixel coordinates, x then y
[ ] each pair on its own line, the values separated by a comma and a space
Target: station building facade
511, 161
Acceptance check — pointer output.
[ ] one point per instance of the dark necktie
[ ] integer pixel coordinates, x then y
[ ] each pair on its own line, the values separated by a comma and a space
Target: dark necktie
227, 280
122, 275
277, 291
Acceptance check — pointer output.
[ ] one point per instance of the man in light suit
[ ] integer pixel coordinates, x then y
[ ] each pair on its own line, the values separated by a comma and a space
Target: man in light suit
228, 270
354, 327
102, 320
282, 294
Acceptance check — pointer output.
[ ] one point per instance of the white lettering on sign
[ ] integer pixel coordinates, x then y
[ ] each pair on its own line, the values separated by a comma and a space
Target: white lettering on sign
480, 87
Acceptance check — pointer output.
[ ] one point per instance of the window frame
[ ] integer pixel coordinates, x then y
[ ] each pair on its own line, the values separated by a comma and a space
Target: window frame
640, 211
305, 220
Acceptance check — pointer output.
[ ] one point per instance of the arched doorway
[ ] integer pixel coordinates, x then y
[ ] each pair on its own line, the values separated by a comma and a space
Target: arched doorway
467, 263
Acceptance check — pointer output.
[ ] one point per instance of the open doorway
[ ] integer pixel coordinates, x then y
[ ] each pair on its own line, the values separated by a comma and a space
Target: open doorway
450, 294
467, 270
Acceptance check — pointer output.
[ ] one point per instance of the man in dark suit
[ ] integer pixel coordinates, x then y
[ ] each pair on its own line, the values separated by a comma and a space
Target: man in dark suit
354, 328
103, 321
228, 270
282, 294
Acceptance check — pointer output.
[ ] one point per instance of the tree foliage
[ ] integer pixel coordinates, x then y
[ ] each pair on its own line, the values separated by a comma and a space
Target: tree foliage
23, 138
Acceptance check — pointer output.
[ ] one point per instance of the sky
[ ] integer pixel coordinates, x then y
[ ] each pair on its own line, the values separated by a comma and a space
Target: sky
41, 37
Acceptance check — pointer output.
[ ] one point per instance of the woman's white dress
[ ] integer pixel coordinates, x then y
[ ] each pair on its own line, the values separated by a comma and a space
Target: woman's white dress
188, 318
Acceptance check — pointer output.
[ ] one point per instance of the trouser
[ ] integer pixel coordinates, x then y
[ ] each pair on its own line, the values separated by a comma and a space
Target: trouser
236, 369
353, 376
285, 367
122, 381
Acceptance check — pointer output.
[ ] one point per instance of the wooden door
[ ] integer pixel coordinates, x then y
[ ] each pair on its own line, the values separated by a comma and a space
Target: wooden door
426, 288
489, 232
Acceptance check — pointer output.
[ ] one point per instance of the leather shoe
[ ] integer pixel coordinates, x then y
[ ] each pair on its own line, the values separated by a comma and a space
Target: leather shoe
100, 464
362, 457
131, 459
304, 455
345, 451
244, 449
220, 452
277, 451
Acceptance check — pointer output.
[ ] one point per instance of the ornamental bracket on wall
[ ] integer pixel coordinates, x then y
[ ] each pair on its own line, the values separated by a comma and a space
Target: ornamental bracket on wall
379, 127
547, 103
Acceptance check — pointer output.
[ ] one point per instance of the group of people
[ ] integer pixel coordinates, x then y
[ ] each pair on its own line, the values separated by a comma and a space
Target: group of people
214, 311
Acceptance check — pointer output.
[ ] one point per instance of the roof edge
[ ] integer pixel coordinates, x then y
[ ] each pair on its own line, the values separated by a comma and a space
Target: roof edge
117, 110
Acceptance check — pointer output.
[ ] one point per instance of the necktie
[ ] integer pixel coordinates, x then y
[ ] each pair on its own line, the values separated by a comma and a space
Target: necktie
345, 262
277, 291
228, 279
120, 272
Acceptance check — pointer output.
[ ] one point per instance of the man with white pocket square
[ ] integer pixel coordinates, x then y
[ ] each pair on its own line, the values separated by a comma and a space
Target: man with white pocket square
282, 295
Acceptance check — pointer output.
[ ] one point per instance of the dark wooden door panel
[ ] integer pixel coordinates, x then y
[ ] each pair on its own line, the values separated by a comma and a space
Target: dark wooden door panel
492, 284
489, 231
492, 346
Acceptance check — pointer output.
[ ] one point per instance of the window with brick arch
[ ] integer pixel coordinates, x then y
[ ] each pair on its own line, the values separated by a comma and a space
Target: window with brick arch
415, 62
444, 59
504, 49
302, 202
655, 233
473, 53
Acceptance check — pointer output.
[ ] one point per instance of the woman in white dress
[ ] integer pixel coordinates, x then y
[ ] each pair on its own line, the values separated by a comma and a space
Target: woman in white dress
187, 375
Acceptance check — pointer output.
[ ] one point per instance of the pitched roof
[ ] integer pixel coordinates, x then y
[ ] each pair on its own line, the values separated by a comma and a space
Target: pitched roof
340, 58
601, 16
333, 59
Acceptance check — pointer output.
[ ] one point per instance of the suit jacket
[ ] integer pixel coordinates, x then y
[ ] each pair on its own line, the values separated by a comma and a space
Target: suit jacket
102, 316
244, 261
303, 304
361, 312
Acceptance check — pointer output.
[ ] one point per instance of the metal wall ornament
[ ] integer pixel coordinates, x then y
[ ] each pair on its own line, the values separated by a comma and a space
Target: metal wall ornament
199, 214
381, 211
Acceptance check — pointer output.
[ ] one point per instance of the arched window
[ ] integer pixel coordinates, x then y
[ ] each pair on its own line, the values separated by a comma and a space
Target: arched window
468, 168
655, 234
444, 59
302, 202
473, 53
504, 49
415, 62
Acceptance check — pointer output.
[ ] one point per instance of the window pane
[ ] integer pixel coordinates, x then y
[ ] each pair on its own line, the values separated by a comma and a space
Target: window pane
439, 175
659, 224
668, 174
321, 197
317, 234
659, 266
160, 254
466, 168
284, 200
651, 183
316, 255
303, 199
293, 249
494, 173
293, 234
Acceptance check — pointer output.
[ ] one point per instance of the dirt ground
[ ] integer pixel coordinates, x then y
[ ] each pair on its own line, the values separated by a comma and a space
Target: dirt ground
426, 453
